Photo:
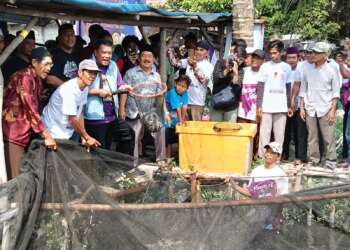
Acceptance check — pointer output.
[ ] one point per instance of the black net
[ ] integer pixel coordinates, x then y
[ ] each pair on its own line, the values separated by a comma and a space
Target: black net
149, 98
71, 199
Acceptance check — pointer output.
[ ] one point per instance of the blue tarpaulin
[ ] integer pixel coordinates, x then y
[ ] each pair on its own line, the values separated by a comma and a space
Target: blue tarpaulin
126, 8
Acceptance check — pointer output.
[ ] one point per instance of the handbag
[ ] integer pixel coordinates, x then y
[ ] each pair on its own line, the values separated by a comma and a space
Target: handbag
227, 99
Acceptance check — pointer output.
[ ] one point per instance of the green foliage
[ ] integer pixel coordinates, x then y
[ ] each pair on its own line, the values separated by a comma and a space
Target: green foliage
200, 5
310, 19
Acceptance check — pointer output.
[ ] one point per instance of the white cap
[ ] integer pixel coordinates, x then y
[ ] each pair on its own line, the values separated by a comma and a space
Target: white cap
275, 147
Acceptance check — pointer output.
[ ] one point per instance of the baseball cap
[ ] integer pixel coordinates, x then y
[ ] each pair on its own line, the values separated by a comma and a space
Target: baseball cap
275, 147
321, 47
88, 64
259, 53
203, 44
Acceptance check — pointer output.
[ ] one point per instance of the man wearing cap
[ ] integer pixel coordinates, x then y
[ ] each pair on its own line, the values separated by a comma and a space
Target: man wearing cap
21, 58
319, 92
247, 105
64, 59
295, 125
63, 114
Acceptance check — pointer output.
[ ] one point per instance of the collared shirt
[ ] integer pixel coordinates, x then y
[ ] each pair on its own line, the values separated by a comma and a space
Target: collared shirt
319, 86
134, 76
22, 100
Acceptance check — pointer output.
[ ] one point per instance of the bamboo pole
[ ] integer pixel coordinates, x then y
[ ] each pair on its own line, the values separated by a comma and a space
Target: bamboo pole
247, 202
163, 55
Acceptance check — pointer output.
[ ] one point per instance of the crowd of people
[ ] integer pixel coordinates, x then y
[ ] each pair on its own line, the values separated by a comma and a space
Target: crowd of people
67, 91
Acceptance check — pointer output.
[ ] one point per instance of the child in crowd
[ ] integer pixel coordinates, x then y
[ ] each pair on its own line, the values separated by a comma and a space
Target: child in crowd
267, 181
176, 101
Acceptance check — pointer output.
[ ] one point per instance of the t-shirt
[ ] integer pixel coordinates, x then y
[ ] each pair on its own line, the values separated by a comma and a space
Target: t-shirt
67, 100
197, 91
275, 76
247, 105
65, 66
296, 77
268, 182
174, 102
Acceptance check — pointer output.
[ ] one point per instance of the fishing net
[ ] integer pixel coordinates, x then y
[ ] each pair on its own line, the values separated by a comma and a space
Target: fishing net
72, 199
149, 98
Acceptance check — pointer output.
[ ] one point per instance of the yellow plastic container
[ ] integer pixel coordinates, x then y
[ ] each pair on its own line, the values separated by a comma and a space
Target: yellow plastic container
216, 147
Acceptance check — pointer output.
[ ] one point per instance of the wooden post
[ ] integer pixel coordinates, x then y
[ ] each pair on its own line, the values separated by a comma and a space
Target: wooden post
221, 41
144, 35
193, 188
309, 216
297, 184
162, 55
332, 216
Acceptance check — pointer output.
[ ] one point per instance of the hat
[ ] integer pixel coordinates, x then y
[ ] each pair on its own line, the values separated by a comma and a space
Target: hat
39, 53
203, 44
321, 47
146, 47
88, 64
259, 53
292, 50
275, 147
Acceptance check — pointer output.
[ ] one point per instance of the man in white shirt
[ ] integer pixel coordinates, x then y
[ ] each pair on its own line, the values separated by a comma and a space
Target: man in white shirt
273, 96
63, 114
319, 92
200, 71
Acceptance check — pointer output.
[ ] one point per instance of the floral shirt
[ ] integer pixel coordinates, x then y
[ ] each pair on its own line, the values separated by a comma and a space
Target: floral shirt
20, 115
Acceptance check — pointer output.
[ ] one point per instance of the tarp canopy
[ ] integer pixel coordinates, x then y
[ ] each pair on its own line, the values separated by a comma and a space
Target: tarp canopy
111, 12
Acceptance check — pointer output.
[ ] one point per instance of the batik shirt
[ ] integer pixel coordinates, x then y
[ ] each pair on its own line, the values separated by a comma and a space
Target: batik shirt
22, 99
135, 76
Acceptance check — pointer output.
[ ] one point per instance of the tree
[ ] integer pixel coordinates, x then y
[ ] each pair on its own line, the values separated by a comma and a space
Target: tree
200, 5
309, 19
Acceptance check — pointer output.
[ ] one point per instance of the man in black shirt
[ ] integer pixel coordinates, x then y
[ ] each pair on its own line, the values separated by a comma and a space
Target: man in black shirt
21, 58
65, 61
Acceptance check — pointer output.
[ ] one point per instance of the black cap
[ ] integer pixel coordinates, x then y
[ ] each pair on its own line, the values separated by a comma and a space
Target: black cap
203, 44
259, 53
146, 47
39, 53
